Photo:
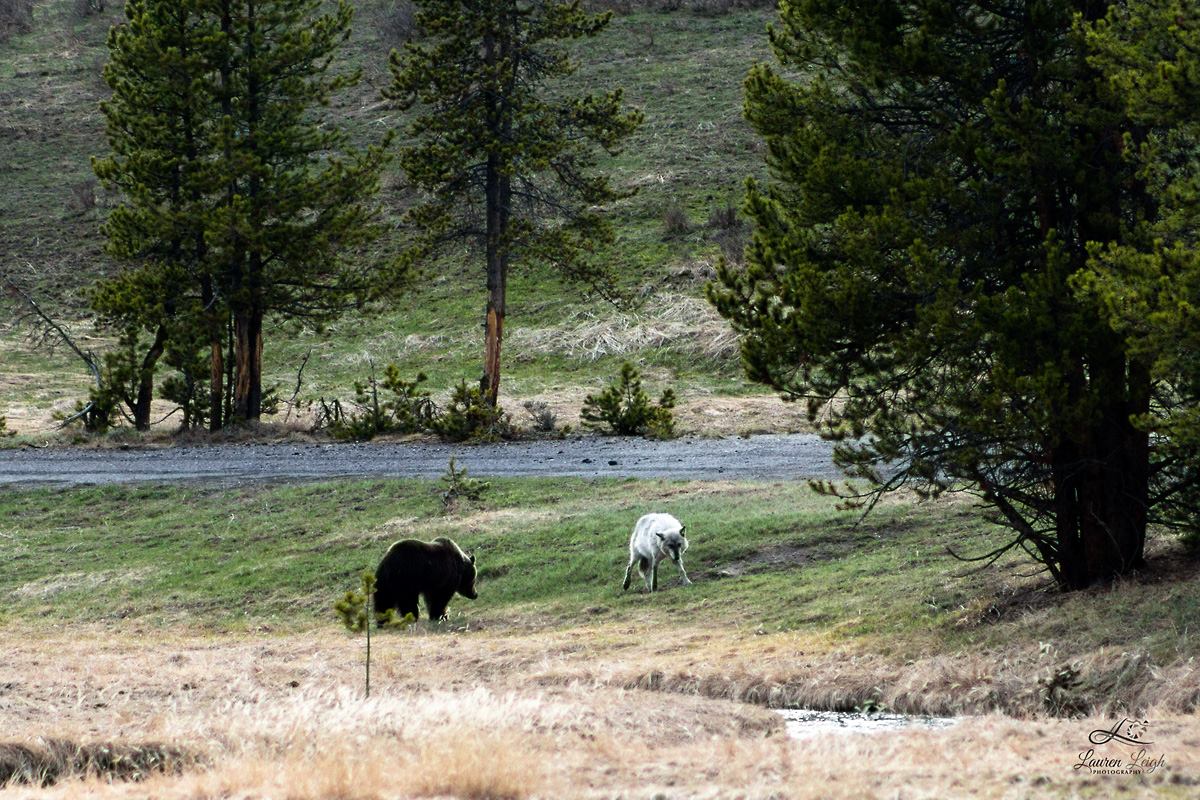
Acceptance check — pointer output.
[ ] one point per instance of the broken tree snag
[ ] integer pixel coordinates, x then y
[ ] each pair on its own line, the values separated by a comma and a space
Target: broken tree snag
491, 362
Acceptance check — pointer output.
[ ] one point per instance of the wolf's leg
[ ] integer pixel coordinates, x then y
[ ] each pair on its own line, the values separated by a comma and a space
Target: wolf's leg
629, 573
654, 575
683, 572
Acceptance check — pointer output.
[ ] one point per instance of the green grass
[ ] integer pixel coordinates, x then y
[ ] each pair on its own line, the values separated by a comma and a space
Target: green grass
773, 557
682, 68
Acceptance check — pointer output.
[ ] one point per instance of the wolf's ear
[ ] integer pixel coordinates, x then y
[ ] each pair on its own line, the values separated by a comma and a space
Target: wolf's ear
683, 528
658, 534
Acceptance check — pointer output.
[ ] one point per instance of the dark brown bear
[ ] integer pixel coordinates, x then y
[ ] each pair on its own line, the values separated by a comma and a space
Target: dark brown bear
435, 569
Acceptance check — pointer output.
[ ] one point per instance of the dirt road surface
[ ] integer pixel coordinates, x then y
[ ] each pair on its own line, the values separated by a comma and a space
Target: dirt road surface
784, 457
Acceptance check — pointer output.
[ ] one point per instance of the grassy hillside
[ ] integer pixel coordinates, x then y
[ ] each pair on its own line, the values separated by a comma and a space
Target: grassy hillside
683, 68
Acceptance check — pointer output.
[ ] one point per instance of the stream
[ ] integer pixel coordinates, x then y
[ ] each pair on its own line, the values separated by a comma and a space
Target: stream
805, 724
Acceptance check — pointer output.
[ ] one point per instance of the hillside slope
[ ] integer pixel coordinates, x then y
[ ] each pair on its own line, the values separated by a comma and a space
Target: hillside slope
683, 68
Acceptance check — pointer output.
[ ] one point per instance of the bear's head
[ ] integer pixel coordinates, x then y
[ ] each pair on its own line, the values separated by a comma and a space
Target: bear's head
466, 584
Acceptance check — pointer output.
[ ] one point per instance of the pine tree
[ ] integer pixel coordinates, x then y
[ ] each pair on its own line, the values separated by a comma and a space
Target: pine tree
241, 196
158, 119
504, 158
1151, 51
938, 173
297, 199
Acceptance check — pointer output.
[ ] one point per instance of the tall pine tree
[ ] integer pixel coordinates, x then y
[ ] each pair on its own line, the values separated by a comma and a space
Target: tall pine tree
1151, 51
505, 159
241, 194
159, 119
938, 173
297, 199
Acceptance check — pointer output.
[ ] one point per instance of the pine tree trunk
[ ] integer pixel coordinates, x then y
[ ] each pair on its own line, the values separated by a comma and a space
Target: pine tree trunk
216, 385
145, 395
1102, 487
497, 280
247, 404
498, 192
248, 321
216, 395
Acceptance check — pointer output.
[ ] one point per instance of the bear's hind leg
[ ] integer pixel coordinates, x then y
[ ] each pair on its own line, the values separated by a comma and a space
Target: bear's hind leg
381, 601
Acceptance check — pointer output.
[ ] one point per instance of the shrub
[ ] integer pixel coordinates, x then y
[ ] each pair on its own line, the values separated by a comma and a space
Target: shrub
625, 408
543, 417
675, 221
16, 16
394, 405
724, 217
468, 416
407, 410
398, 22
729, 231
189, 386
88, 8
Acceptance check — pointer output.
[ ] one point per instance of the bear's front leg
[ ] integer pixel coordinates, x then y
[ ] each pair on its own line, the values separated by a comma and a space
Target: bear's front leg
436, 604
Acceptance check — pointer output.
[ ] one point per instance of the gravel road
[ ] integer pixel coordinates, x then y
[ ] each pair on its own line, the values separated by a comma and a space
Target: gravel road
760, 457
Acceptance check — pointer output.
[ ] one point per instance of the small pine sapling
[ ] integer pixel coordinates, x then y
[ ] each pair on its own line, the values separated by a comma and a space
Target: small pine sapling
460, 487
354, 610
625, 408
470, 415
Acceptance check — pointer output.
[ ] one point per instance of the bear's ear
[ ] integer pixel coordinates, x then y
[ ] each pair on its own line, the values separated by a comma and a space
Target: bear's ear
683, 528
472, 557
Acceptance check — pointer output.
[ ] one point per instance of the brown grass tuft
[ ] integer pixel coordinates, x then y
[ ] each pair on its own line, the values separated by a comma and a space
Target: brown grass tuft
47, 761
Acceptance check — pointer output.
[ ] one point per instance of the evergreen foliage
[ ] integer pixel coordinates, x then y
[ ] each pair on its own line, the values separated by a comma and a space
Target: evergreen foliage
504, 158
161, 113
624, 408
353, 609
469, 416
406, 408
1151, 50
459, 486
240, 194
939, 175
298, 198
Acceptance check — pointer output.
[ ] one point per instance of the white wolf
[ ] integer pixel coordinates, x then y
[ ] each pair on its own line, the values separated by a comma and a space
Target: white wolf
655, 537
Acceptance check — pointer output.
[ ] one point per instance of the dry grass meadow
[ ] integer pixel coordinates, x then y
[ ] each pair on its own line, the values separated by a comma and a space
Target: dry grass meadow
552, 714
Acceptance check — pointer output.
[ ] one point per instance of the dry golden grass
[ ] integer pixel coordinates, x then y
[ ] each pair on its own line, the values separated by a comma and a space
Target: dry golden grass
537, 714
668, 319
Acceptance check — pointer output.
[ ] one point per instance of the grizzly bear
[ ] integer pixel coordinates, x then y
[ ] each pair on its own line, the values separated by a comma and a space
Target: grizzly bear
435, 569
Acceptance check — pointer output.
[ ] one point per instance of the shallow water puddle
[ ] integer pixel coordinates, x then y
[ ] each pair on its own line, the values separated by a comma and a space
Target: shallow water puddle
805, 724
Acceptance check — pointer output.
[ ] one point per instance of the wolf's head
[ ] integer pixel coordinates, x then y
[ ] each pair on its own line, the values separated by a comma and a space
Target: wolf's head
673, 544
